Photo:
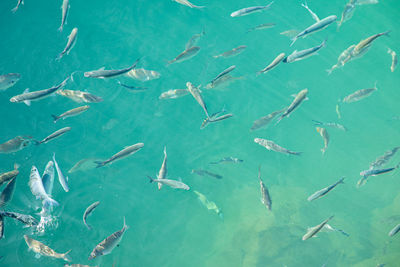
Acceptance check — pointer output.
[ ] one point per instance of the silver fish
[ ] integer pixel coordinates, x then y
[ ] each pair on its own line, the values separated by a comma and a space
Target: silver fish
27, 96
187, 3
129, 150
107, 245
102, 73
174, 93
264, 121
37, 189
317, 26
261, 27
8, 192
17, 6
71, 113
338, 111
77, 265
185, 55
235, 51
28, 220
300, 97
8, 80
362, 47
88, 211
367, 2
223, 81
373, 172
162, 173
70, 44
359, 94
1, 226
330, 124
300, 55
382, 160
329, 228
143, 75
44, 250
205, 172
79, 96
56, 134
395, 230
215, 119
314, 230
209, 119
270, 145
223, 73
265, 197
16, 144
227, 160
313, 15
249, 10
324, 191
7, 176
194, 39
83, 165
48, 178
133, 88
171, 183
210, 205
273, 64
343, 58
348, 12
61, 178
325, 136
195, 91
64, 13
394, 59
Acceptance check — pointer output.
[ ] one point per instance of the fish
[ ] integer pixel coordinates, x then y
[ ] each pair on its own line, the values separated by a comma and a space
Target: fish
265, 197
83, 165
338, 111
325, 136
77, 265
317, 26
300, 55
171, 183
88, 211
314, 230
70, 113
194, 39
273, 64
289, 33
394, 231
133, 88
206, 121
373, 172
187, 3
205, 172
70, 43
37, 189
347, 12
195, 91
215, 119
185, 55
7, 176
17, 6
330, 124
54, 135
366, 2
362, 47
261, 27
107, 245
300, 97
61, 178
270, 145
223, 73
8, 192
28, 96
324, 191
264, 121
313, 15
28, 220
1, 226
143, 75
359, 94
235, 51
382, 160
328, 227
210, 205
224, 80
44, 250
343, 58
227, 160
103, 73
129, 150
162, 173
79, 96
64, 13
249, 10
48, 178
16, 144
394, 59
8, 80
174, 93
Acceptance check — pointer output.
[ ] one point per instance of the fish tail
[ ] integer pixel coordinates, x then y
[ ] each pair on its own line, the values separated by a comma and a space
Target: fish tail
330, 218
294, 39
151, 179
54, 117
323, 150
125, 226
36, 142
60, 29
134, 64
65, 256
14, 9
100, 163
198, 7
296, 153
386, 33
317, 122
376, 88
49, 202
279, 119
341, 181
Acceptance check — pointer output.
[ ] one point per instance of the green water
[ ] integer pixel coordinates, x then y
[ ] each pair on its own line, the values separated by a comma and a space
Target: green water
171, 227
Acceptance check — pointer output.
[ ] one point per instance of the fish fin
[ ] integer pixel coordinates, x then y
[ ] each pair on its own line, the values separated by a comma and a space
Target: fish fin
151, 179
14, 9
99, 164
48, 203
165, 150
27, 102
55, 118
134, 64
16, 166
341, 181
102, 68
293, 41
387, 33
376, 88
125, 225
65, 256
60, 29
317, 122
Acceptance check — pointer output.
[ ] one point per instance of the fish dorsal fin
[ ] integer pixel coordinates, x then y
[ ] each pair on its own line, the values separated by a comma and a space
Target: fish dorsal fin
26, 90
102, 68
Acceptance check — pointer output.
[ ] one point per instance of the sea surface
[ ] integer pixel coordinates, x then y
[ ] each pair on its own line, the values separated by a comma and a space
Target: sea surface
171, 227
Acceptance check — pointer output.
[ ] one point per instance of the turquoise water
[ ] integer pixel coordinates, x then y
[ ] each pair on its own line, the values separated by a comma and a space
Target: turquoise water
171, 227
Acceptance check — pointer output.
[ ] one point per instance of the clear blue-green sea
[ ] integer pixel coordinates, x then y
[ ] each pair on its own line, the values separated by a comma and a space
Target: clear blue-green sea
172, 227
